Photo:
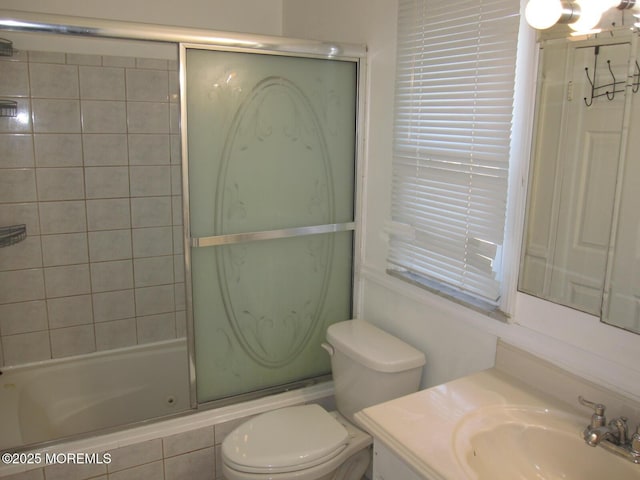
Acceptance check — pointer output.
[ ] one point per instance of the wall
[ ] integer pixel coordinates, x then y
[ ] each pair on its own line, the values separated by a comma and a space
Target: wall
92, 165
264, 16
456, 340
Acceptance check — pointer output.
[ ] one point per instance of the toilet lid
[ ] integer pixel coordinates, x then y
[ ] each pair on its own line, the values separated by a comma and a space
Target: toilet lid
285, 440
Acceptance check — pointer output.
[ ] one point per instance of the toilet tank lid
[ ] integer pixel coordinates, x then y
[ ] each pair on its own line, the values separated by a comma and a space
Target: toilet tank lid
373, 347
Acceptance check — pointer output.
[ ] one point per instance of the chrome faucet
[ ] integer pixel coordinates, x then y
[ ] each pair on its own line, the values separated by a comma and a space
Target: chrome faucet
612, 436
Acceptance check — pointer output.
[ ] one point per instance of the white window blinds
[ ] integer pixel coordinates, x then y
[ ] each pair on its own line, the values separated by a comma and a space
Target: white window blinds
454, 106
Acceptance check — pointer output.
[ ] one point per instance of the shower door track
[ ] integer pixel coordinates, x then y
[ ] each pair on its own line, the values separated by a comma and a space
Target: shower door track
30, 22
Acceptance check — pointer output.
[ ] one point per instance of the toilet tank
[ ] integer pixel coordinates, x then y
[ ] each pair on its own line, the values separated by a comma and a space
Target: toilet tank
370, 366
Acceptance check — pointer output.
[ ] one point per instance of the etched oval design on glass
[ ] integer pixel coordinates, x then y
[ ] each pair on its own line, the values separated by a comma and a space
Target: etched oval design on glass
275, 173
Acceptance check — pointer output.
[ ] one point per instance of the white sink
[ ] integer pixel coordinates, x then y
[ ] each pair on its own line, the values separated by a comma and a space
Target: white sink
507, 442
491, 426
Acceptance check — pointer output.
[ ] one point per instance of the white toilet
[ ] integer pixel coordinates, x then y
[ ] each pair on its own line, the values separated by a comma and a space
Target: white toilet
306, 442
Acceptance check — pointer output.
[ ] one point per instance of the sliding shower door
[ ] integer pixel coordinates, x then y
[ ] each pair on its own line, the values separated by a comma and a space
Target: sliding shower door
271, 171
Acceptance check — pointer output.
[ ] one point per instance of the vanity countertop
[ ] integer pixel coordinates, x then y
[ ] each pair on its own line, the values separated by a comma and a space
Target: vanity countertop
420, 428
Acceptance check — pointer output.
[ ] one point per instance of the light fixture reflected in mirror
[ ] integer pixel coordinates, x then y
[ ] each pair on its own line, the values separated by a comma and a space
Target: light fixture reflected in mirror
580, 15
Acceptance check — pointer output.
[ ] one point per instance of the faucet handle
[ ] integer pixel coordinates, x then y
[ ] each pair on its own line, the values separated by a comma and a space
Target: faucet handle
635, 441
597, 419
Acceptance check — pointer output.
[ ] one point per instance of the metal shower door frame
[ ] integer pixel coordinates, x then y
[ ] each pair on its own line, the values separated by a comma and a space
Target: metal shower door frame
282, 49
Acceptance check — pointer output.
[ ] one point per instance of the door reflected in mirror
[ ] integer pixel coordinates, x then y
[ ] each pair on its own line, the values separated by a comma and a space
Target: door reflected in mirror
582, 234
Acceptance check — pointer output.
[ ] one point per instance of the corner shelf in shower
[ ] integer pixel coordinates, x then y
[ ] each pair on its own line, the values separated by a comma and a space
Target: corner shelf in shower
8, 108
6, 48
12, 235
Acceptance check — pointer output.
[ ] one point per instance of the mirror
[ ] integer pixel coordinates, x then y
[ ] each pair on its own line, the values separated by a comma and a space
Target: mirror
582, 236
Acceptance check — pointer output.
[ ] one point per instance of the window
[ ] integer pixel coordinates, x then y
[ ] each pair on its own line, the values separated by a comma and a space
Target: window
453, 119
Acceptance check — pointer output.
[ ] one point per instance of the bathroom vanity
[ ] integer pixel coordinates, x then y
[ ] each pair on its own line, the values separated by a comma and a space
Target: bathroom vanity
499, 425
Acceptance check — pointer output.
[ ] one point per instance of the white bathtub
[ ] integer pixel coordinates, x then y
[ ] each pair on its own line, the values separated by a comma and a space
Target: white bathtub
52, 399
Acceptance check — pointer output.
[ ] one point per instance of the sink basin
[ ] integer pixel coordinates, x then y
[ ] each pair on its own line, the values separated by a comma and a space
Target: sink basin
520, 442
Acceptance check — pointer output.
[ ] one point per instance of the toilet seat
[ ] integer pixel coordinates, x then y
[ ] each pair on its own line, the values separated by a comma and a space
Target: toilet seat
285, 440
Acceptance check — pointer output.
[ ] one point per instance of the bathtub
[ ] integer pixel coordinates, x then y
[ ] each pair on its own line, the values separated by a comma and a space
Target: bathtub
52, 399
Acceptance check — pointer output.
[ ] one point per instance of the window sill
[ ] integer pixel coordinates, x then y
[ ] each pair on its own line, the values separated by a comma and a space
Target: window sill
455, 296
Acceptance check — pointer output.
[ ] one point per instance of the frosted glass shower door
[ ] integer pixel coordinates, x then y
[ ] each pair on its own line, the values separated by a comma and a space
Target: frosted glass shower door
271, 160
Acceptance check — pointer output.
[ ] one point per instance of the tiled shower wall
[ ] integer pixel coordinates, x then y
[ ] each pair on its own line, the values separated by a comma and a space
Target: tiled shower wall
91, 164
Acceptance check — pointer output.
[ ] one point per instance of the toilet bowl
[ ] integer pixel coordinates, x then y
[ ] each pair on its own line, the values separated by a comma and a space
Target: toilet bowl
302, 442
305, 442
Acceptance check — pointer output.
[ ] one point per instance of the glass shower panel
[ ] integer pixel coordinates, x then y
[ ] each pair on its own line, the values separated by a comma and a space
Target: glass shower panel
271, 147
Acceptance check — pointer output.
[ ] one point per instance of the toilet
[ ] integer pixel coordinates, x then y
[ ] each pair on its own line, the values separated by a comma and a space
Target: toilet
306, 442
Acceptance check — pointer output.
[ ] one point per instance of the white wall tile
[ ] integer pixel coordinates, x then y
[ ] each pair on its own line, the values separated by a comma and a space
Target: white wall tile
107, 182
136, 454
64, 249
156, 328
108, 214
58, 150
188, 441
17, 185
113, 305
26, 347
152, 242
151, 212
152, 63
62, 217
21, 285
174, 118
181, 324
47, 57
178, 239
21, 213
36, 474
23, 317
176, 180
115, 61
82, 59
179, 296
150, 181
109, 245
102, 83
70, 311
105, 149
22, 255
178, 268
148, 117
149, 149
16, 151
60, 184
111, 276
198, 465
67, 280
104, 116
174, 87
116, 334
53, 81
14, 81
152, 271
153, 300
74, 471
71, 182
176, 149
147, 85
148, 471
72, 341
176, 210
56, 116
